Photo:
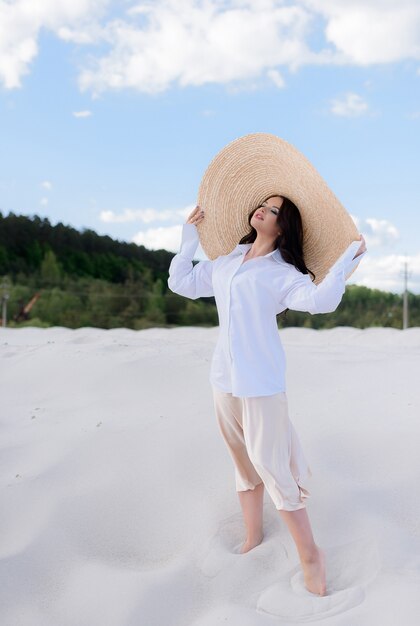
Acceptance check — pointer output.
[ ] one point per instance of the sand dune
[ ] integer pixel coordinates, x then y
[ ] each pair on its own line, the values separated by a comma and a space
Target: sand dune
118, 504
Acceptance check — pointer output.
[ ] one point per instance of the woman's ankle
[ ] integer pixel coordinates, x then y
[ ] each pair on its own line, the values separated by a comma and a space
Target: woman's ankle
311, 555
254, 537
249, 545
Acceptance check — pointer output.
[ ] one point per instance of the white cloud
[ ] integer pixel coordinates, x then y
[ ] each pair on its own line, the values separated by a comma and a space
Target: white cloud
387, 272
377, 233
82, 113
151, 46
46, 184
147, 216
276, 77
43, 201
381, 232
351, 105
134, 215
194, 42
89, 33
21, 22
168, 238
365, 32
157, 237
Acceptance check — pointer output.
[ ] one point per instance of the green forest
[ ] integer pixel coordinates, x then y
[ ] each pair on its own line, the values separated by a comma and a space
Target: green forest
54, 275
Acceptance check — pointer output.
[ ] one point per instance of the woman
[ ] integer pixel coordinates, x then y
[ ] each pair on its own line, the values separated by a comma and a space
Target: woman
264, 275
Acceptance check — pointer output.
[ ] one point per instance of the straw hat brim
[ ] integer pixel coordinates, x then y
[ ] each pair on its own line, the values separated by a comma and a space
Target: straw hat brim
254, 167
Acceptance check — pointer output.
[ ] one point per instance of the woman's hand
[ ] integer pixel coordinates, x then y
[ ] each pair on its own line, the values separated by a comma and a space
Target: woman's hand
362, 247
196, 216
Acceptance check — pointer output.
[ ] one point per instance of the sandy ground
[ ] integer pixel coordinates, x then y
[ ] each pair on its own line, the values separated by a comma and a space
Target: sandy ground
118, 503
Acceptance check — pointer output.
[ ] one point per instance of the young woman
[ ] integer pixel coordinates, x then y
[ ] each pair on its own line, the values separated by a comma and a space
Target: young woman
261, 277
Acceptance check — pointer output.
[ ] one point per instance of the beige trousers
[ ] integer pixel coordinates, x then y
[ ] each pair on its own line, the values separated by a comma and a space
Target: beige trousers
264, 446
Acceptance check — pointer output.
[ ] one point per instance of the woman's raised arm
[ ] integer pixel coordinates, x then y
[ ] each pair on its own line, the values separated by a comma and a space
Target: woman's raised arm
301, 294
186, 279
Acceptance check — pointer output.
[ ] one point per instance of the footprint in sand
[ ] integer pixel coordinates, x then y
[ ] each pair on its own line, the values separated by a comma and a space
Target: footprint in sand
223, 549
350, 567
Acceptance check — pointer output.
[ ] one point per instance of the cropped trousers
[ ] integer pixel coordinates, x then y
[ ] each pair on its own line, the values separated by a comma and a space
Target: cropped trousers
264, 446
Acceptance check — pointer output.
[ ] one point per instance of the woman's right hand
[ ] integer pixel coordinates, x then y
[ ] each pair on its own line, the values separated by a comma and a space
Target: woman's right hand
196, 216
362, 246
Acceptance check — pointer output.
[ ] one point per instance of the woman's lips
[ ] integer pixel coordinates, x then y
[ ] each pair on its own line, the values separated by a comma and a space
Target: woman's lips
259, 216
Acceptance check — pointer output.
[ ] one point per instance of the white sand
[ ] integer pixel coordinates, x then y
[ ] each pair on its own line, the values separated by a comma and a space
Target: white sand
118, 504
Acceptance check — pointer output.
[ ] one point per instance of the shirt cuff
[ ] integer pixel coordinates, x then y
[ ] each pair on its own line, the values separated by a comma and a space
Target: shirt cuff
190, 240
345, 264
353, 264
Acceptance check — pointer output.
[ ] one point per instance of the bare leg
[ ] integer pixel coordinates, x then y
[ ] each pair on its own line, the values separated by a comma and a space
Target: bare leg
312, 558
252, 509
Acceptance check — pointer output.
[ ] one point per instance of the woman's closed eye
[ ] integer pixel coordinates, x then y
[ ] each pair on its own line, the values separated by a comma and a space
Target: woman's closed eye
275, 211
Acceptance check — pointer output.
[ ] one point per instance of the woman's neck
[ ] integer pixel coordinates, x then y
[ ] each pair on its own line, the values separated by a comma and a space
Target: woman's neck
261, 247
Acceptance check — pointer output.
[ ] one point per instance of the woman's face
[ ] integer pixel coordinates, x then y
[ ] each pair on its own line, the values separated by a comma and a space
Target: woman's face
264, 218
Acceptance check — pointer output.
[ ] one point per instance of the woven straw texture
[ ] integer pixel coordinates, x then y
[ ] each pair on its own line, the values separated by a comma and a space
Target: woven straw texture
254, 167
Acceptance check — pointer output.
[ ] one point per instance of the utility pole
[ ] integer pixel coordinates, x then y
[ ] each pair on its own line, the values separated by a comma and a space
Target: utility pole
4, 298
405, 297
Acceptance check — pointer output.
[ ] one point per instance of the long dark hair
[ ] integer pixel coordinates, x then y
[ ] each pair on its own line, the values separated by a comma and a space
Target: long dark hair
290, 240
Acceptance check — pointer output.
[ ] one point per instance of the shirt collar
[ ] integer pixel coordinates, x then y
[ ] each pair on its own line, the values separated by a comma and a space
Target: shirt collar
242, 248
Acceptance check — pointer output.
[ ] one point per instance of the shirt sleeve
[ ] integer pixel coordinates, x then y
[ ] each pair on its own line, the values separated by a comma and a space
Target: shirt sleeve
186, 279
301, 294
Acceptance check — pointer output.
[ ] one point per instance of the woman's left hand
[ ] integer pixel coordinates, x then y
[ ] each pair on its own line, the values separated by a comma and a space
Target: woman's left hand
362, 247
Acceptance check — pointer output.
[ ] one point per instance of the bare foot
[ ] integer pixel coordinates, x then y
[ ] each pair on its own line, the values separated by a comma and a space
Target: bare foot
314, 573
248, 545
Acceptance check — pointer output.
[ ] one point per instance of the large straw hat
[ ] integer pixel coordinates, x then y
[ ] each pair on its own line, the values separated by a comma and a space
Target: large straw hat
250, 169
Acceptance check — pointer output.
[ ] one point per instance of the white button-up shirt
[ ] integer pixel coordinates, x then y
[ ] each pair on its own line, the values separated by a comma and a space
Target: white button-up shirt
249, 359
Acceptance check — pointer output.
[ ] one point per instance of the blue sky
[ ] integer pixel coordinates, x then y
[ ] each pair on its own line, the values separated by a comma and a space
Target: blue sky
111, 111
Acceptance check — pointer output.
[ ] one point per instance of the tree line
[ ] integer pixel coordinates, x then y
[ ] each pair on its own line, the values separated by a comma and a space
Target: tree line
76, 279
